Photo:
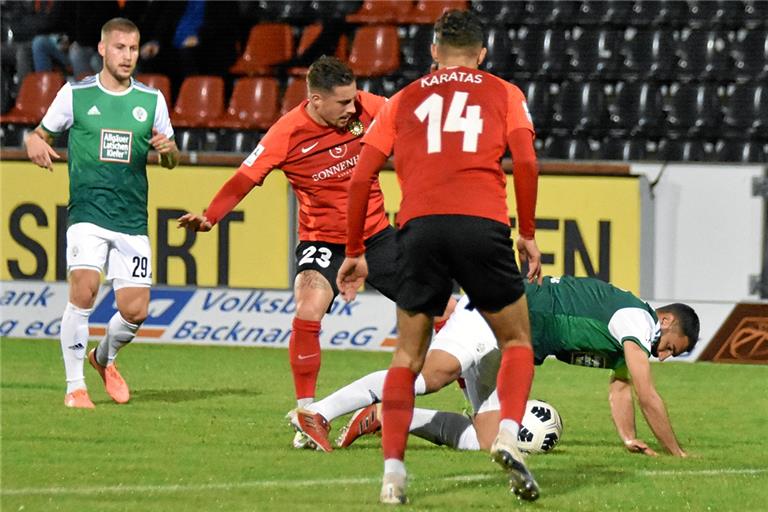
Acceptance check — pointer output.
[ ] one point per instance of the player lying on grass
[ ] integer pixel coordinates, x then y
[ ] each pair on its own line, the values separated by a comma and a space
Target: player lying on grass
578, 320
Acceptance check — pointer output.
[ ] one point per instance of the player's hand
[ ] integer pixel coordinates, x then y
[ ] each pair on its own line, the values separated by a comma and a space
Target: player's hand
637, 446
161, 143
194, 222
530, 252
351, 276
40, 152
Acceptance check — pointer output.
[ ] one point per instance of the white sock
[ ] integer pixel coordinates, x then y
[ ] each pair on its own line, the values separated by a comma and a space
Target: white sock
394, 466
510, 426
74, 341
304, 403
444, 428
358, 394
120, 332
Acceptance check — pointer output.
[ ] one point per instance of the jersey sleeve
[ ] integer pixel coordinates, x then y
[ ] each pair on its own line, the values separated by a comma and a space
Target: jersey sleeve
269, 154
518, 115
59, 116
162, 120
381, 133
634, 325
372, 103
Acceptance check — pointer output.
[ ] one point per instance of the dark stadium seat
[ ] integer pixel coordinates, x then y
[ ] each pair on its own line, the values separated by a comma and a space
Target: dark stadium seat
757, 13
539, 99
707, 13
268, 44
309, 35
160, 82
375, 51
325, 10
593, 52
550, 12
567, 148
748, 151
414, 47
253, 105
380, 11
649, 54
701, 54
742, 105
693, 109
615, 148
668, 12
682, 150
636, 108
540, 52
428, 11
35, 96
293, 12
498, 59
501, 13
201, 99
381, 85
295, 93
581, 107
749, 51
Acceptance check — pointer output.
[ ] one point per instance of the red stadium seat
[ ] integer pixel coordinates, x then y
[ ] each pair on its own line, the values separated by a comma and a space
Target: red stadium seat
253, 105
268, 44
201, 99
295, 93
428, 11
380, 11
160, 82
375, 51
308, 36
35, 96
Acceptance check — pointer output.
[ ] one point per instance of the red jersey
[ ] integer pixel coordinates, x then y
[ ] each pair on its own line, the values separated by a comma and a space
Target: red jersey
449, 131
318, 162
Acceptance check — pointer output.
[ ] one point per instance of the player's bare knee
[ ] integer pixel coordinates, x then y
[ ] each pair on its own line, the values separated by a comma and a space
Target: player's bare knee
135, 314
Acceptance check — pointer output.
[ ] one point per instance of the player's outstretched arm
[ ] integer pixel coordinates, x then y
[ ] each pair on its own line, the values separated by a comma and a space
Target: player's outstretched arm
230, 194
623, 413
650, 401
39, 148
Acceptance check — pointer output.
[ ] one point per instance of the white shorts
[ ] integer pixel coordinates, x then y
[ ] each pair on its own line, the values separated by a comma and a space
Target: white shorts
467, 337
126, 260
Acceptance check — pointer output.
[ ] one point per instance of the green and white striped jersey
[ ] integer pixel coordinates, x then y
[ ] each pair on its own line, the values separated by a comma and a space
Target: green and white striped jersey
585, 321
109, 136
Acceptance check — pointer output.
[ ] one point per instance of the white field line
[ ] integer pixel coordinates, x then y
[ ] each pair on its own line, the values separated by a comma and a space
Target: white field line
224, 486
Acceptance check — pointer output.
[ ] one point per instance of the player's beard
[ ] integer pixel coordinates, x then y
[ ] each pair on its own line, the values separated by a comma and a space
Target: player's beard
119, 72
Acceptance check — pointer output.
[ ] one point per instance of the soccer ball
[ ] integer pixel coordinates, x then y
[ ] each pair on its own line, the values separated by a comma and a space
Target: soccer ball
541, 428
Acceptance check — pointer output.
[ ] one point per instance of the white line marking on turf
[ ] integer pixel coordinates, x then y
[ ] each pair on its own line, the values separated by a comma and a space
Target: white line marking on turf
223, 486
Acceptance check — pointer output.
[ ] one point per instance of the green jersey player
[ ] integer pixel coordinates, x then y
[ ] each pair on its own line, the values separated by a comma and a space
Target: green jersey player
578, 320
113, 122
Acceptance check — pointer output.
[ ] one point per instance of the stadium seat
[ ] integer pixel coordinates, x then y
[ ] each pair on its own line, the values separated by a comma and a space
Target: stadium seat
325, 10
750, 53
682, 150
428, 11
702, 54
668, 12
740, 151
636, 108
550, 12
201, 99
567, 148
540, 52
626, 150
160, 82
268, 44
706, 13
35, 96
500, 13
253, 105
743, 106
380, 11
295, 93
581, 107
293, 12
593, 52
693, 109
757, 13
375, 51
414, 46
539, 99
498, 59
648, 54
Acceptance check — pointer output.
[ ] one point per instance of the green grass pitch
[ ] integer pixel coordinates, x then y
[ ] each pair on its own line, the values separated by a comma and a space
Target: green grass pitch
205, 431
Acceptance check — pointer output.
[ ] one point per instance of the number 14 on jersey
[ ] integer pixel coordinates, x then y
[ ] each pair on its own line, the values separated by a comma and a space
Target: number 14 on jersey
470, 123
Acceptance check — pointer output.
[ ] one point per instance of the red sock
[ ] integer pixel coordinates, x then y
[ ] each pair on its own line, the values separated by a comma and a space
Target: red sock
439, 325
396, 411
304, 352
513, 382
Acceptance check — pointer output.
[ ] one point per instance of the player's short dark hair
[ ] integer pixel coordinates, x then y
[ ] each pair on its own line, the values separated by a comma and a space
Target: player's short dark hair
328, 72
459, 29
119, 25
688, 320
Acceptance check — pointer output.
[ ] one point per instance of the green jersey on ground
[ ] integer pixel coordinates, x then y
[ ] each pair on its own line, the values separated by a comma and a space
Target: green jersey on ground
109, 136
585, 321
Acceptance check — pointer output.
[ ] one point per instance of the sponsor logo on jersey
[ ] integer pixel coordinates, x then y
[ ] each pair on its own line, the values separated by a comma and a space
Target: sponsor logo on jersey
139, 114
339, 170
94, 111
338, 151
115, 146
587, 359
254, 155
164, 306
307, 149
356, 127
